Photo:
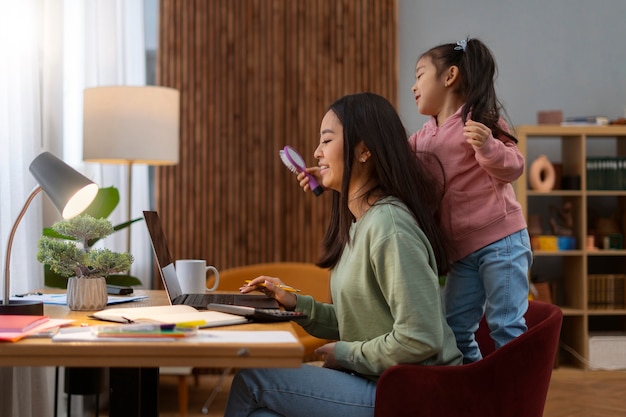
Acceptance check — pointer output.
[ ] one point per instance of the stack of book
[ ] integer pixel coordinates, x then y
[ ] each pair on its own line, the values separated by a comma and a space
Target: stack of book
606, 173
607, 291
586, 121
15, 327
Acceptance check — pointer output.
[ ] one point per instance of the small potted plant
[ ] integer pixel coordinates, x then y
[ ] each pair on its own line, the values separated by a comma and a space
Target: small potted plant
70, 254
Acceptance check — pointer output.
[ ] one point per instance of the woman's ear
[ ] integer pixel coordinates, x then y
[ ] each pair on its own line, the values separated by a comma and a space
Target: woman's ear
365, 155
451, 75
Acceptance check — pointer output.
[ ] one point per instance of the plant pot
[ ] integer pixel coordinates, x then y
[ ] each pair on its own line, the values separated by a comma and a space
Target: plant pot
86, 293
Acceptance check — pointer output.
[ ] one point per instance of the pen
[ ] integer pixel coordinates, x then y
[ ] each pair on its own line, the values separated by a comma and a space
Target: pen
142, 328
195, 323
282, 286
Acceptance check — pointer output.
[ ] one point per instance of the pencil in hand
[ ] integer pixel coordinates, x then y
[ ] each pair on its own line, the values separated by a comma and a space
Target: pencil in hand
281, 286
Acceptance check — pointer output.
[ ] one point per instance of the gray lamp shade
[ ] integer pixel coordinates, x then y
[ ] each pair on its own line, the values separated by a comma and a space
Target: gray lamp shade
70, 191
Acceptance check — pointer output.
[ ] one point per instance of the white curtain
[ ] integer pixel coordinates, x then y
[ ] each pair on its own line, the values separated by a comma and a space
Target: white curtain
51, 50
104, 44
64, 46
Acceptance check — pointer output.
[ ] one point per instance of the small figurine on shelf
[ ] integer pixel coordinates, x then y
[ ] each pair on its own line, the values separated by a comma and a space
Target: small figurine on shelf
591, 241
562, 219
534, 225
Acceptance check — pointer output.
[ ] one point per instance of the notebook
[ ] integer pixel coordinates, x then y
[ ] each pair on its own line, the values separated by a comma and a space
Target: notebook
167, 271
177, 314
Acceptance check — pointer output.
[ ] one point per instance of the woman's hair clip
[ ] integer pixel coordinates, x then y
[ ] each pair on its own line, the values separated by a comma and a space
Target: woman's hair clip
461, 45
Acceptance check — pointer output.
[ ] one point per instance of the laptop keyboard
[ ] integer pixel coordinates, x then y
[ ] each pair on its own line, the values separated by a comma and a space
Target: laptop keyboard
201, 300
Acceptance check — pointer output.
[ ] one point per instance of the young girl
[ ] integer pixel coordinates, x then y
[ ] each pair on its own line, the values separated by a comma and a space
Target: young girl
383, 248
454, 85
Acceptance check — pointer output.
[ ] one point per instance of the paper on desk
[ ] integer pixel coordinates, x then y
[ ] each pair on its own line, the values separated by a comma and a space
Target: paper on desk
61, 299
243, 336
85, 334
50, 324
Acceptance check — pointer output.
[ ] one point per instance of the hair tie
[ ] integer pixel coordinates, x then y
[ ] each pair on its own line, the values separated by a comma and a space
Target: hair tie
461, 45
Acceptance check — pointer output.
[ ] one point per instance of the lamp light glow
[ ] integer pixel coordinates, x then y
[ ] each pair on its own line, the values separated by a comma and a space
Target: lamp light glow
70, 192
80, 201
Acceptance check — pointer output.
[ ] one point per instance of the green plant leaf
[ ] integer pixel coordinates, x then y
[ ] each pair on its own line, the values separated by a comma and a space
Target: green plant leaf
105, 202
54, 280
50, 232
126, 224
124, 280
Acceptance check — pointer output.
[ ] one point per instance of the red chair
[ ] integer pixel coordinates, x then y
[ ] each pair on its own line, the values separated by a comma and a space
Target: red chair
511, 381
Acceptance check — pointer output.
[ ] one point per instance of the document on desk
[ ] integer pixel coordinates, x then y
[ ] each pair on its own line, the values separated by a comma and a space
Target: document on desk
61, 299
244, 337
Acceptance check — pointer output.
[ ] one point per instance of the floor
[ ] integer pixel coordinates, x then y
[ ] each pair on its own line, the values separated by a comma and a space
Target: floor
573, 393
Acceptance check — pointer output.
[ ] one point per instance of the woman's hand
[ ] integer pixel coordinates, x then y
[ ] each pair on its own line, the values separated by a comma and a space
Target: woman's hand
328, 352
476, 133
270, 287
304, 180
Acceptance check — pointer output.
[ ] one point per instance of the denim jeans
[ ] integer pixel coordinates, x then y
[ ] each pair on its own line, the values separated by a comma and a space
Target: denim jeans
307, 391
492, 281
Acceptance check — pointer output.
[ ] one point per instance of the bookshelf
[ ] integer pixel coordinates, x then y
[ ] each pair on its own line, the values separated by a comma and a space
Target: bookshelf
585, 282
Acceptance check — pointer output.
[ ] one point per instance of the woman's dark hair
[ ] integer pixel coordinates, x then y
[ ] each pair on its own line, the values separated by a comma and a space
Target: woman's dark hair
477, 73
372, 120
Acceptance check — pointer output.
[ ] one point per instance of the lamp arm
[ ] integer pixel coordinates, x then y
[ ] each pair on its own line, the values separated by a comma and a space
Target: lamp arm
7, 258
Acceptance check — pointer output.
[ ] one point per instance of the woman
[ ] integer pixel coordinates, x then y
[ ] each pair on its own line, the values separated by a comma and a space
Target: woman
385, 252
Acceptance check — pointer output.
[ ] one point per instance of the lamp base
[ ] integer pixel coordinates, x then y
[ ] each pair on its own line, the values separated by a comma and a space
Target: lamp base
27, 308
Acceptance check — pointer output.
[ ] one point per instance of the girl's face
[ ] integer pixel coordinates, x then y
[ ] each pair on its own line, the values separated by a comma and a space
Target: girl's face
329, 152
429, 89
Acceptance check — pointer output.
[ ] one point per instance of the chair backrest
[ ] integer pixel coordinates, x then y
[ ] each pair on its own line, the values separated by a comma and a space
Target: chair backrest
309, 278
511, 381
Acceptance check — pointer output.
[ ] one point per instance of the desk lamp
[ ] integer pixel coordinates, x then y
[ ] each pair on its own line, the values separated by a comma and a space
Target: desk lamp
131, 125
70, 192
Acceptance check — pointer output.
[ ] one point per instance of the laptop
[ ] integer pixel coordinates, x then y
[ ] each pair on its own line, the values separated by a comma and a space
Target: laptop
167, 271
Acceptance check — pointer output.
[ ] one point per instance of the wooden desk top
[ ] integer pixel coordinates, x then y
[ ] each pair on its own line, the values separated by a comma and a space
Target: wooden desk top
43, 352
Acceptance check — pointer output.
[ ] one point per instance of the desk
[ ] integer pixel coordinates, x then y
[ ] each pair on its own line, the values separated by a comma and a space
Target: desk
124, 356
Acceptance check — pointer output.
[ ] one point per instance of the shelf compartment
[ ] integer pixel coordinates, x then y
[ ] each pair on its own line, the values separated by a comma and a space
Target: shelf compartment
573, 346
564, 278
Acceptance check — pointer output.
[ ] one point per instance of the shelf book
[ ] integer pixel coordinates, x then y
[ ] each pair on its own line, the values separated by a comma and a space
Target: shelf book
606, 173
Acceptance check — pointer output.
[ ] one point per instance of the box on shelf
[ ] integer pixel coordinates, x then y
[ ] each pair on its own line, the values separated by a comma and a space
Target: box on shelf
607, 351
552, 243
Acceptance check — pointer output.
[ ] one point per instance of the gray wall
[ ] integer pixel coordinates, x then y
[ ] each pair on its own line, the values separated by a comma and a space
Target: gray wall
551, 54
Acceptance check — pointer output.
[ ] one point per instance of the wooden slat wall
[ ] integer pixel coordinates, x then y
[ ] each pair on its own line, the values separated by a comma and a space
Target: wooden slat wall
254, 76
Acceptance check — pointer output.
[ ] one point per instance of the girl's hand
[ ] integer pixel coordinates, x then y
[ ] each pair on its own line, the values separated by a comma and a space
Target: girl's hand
328, 352
269, 286
476, 133
304, 180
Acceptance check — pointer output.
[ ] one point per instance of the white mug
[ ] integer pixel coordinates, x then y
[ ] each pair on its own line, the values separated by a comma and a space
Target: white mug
192, 276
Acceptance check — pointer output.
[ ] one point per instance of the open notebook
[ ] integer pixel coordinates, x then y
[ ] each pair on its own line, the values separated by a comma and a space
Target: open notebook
177, 314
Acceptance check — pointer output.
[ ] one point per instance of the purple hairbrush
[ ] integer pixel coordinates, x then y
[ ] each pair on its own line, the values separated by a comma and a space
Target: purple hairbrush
294, 161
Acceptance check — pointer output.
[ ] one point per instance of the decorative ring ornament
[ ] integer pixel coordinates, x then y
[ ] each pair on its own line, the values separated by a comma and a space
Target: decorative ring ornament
541, 175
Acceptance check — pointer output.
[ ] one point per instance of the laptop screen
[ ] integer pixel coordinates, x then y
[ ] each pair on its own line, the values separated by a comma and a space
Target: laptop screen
162, 253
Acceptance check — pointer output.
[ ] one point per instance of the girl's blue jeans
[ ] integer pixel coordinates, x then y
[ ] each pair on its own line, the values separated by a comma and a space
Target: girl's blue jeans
307, 391
493, 281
